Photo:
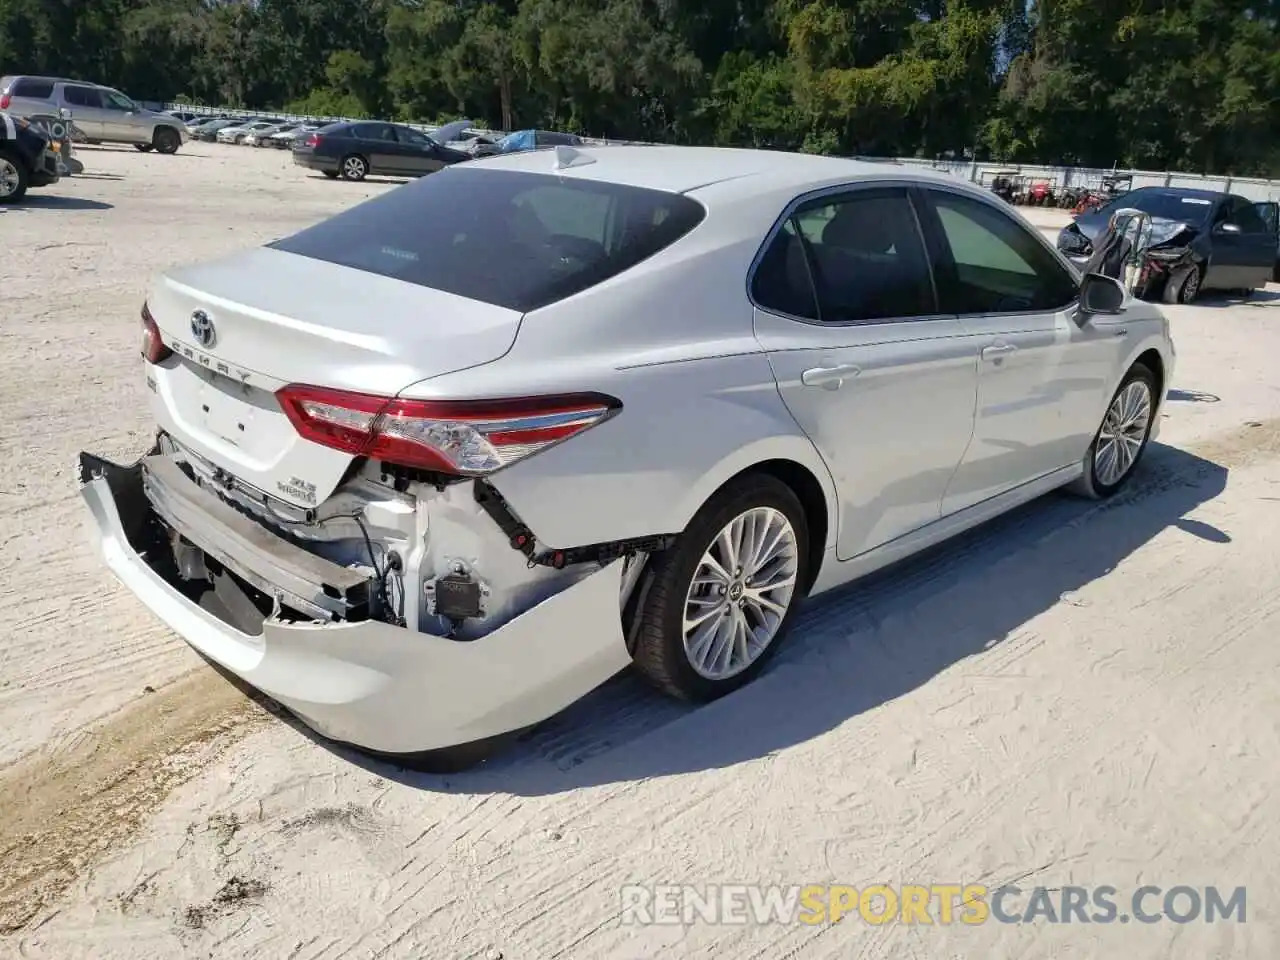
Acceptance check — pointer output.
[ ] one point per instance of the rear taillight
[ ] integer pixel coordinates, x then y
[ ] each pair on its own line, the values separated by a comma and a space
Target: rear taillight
5, 101
461, 437
153, 348
313, 140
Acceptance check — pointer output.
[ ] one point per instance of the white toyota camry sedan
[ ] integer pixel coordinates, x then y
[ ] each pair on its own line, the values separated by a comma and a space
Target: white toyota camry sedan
434, 468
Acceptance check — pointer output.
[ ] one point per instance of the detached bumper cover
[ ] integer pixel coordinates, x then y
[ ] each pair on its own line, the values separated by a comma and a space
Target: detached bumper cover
371, 684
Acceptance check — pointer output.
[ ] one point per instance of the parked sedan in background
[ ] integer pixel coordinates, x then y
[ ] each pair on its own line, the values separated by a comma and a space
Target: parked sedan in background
208, 132
483, 441
287, 138
355, 149
237, 132
1215, 241
261, 138
523, 140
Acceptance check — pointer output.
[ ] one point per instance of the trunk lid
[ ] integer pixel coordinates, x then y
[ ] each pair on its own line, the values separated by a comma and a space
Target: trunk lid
244, 327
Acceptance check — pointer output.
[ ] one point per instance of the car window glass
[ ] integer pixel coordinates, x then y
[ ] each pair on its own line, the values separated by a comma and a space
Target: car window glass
82, 96
993, 264
116, 101
1246, 216
867, 257
570, 213
515, 239
37, 89
416, 137
782, 283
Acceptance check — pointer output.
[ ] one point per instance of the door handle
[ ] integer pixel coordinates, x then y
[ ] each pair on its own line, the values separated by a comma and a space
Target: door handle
997, 350
829, 377
1122, 332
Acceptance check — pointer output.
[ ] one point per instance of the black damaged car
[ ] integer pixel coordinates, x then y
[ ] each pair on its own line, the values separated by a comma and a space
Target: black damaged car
27, 158
1200, 240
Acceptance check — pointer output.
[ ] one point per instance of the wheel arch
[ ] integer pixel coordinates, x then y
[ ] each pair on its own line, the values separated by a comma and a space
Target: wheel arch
813, 498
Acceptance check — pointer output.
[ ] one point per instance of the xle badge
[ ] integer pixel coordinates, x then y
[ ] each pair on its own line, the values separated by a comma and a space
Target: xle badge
298, 489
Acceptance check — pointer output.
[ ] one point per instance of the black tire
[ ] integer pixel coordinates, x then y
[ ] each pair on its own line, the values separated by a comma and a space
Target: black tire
331, 174
1090, 485
659, 652
166, 140
13, 170
354, 167
1183, 285
143, 147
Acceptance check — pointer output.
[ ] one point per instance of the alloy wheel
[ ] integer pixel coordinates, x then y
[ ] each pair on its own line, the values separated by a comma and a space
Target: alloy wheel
741, 591
353, 168
1124, 430
10, 178
1190, 286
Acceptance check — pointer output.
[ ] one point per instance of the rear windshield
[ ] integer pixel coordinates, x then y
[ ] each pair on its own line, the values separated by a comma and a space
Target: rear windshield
1170, 206
37, 89
514, 239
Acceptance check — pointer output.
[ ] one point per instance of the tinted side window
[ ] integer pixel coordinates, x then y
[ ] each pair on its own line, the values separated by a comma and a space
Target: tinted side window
38, 89
410, 135
867, 257
514, 239
82, 96
992, 264
782, 283
1246, 216
375, 131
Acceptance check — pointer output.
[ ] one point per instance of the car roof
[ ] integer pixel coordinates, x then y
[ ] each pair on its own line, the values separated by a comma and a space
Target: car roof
1193, 192
735, 172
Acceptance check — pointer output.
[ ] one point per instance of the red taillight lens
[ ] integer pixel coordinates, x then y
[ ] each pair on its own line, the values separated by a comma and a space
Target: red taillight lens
153, 348
313, 140
468, 438
5, 101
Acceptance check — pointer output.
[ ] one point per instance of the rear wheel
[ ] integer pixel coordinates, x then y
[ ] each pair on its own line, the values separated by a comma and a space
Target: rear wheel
13, 178
1122, 438
354, 167
719, 601
166, 140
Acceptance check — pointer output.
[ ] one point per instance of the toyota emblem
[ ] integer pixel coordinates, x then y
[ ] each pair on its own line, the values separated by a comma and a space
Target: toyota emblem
202, 328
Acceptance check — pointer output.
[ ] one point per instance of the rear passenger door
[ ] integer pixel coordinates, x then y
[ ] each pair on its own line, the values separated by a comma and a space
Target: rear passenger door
85, 104
1042, 377
881, 381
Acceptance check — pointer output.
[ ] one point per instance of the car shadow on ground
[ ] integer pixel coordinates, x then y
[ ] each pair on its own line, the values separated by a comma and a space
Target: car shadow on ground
55, 201
851, 650
1192, 396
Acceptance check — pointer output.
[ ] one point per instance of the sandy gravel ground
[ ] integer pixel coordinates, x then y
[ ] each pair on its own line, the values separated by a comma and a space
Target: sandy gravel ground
1075, 695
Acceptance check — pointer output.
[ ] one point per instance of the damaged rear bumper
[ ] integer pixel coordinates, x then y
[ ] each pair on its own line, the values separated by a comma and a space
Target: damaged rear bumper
377, 686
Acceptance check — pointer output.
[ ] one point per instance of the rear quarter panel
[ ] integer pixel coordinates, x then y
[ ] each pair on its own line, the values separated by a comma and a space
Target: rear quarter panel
672, 339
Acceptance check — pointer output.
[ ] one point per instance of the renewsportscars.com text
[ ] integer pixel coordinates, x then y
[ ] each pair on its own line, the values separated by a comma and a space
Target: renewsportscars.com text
927, 904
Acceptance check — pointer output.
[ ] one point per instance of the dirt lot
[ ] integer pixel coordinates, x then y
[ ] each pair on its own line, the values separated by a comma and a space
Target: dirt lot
1074, 695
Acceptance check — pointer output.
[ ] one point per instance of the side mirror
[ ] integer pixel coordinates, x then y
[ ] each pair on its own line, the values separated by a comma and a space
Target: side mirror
1100, 295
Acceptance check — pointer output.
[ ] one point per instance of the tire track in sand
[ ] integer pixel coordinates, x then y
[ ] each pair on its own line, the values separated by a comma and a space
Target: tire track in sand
65, 809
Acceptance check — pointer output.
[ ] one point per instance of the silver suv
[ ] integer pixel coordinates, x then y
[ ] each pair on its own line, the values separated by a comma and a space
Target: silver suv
103, 114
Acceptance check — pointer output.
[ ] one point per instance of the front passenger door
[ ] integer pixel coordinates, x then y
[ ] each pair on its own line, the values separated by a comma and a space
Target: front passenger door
379, 144
875, 375
417, 152
1042, 376
121, 119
